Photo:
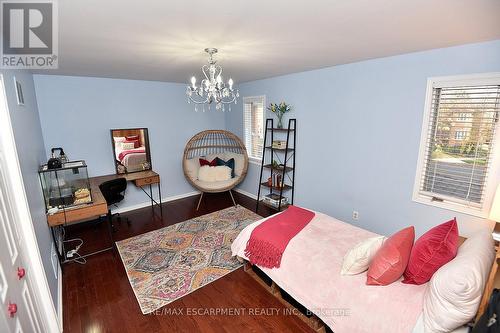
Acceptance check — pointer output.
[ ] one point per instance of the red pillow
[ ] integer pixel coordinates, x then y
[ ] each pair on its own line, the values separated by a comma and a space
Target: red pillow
134, 138
205, 162
431, 251
136, 143
391, 259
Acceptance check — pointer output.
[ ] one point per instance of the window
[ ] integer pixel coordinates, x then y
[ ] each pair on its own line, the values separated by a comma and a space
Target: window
460, 135
457, 144
464, 116
253, 124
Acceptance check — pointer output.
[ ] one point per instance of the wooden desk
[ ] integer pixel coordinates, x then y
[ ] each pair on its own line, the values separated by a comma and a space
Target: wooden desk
99, 206
140, 180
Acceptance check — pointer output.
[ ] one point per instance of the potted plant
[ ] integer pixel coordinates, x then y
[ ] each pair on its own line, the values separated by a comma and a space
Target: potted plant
279, 110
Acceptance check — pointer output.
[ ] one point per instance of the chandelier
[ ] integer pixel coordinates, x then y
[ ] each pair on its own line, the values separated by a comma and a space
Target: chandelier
212, 88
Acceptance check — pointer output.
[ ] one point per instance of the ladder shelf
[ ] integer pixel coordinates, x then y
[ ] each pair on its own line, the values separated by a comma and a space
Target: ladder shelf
278, 161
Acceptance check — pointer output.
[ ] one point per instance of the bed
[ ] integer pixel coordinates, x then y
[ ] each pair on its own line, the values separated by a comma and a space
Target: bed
344, 303
132, 159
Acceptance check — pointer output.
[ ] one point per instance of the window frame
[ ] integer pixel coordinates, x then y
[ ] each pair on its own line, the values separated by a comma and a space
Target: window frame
493, 175
253, 159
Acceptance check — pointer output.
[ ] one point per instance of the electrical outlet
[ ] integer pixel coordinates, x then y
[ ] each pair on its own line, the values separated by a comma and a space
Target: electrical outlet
355, 215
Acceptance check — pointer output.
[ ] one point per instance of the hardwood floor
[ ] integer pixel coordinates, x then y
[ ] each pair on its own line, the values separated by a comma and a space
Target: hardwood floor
97, 296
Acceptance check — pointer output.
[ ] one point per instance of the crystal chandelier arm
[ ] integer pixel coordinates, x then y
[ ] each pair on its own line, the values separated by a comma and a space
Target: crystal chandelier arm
212, 88
205, 69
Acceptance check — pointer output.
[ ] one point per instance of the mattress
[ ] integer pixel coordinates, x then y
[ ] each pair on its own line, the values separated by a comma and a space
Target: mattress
419, 327
310, 273
133, 159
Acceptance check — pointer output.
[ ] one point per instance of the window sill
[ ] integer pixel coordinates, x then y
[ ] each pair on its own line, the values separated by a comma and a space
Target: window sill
455, 207
255, 161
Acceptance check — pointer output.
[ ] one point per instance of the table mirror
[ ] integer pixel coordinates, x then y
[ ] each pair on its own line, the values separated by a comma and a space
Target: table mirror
131, 150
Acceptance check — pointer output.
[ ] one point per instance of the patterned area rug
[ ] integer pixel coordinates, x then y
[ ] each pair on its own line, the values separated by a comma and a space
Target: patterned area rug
166, 264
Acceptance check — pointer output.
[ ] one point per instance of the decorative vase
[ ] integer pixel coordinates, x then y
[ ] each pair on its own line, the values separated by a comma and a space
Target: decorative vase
280, 120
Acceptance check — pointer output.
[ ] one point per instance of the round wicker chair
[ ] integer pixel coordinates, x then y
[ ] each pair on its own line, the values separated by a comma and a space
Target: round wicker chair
209, 144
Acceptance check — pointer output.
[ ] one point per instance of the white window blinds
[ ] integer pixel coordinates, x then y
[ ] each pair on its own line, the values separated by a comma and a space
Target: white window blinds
253, 123
459, 143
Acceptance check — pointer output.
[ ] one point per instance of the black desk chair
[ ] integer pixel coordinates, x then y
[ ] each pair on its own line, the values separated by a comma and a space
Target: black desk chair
114, 192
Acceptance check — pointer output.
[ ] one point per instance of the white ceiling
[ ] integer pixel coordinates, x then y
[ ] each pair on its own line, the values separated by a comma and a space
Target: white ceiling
164, 39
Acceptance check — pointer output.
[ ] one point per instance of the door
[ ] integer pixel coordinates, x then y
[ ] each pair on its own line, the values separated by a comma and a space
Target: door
18, 312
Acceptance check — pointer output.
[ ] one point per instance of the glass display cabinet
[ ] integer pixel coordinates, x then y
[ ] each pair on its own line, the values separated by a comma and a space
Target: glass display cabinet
67, 186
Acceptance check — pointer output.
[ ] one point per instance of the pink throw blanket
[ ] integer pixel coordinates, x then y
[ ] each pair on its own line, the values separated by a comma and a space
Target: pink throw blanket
269, 240
131, 151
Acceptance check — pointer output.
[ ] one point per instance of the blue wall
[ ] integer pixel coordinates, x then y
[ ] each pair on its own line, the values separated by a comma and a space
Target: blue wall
359, 131
78, 112
31, 152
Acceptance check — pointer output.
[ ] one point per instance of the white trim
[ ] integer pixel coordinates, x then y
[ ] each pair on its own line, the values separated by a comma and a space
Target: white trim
252, 159
463, 80
449, 81
31, 253
248, 194
148, 203
60, 298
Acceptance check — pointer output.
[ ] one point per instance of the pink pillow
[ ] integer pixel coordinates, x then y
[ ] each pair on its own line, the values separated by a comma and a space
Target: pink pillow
390, 261
431, 251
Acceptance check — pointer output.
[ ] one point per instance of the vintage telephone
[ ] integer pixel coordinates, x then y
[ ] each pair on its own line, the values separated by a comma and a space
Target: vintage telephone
56, 162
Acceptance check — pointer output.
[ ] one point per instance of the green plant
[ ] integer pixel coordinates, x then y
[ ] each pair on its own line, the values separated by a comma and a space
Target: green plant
279, 109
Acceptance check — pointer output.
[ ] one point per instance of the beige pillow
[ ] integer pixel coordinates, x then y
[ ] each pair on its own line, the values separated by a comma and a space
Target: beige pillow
222, 173
357, 259
456, 288
127, 145
214, 174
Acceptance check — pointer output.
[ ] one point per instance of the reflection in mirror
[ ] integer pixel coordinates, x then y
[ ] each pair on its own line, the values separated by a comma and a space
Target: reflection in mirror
131, 150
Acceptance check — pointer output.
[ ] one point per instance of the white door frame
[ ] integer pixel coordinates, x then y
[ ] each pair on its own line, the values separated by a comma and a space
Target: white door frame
29, 243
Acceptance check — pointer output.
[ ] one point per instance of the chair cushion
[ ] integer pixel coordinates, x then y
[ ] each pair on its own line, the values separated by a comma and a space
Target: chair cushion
191, 166
215, 186
432, 250
358, 259
390, 261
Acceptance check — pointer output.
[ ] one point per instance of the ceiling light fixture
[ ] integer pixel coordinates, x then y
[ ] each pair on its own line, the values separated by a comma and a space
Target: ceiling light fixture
212, 88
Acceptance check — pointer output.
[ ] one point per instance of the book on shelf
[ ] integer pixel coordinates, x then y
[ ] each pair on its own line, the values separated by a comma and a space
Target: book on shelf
273, 199
279, 144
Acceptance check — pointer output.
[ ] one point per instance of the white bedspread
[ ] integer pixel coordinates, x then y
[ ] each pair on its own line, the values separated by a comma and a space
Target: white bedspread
310, 273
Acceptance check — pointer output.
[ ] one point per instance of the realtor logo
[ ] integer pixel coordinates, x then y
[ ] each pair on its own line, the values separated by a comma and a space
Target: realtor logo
29, 34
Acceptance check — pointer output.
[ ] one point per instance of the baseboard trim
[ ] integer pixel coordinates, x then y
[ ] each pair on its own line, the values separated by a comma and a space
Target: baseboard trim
60, 298
248, 194
148, 203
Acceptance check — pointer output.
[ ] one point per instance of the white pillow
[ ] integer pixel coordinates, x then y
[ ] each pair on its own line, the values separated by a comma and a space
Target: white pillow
357, 259
214, 174
222, 173
206, 174
456, 288
128, 145
119, 139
